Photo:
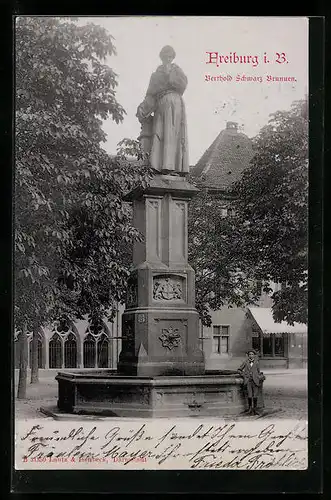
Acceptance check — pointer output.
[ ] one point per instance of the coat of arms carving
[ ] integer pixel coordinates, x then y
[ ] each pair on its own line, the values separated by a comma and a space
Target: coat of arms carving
167, 289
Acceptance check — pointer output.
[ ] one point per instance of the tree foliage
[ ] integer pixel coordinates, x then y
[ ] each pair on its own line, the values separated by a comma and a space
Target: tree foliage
71, 224
265, 238
272, 207
98, 257
221, 276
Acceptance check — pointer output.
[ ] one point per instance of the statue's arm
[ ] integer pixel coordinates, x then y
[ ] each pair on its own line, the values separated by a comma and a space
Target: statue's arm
147, 107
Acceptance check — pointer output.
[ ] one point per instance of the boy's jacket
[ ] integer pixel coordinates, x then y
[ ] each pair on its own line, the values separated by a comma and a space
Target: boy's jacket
245, 369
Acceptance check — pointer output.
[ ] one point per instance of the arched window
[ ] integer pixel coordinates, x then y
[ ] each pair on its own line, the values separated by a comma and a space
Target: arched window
89, 351
39, 352
103, 345
63, 353
96, 346
70, 351
62, 326
55, 351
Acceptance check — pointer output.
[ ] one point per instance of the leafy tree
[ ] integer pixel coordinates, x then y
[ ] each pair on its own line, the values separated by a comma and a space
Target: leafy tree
98, 257
272, 207
71, 224
265, 238
221, 277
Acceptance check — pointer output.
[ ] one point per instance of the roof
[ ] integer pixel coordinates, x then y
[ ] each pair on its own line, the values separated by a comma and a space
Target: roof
224, 161
264, 318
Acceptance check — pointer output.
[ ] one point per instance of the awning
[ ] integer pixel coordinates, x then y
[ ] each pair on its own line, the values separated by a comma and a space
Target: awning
264, 319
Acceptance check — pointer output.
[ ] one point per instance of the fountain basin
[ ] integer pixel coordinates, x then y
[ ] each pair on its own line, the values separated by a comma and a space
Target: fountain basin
103, 393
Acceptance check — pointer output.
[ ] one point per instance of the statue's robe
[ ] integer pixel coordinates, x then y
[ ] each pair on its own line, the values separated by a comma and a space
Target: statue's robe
168, 146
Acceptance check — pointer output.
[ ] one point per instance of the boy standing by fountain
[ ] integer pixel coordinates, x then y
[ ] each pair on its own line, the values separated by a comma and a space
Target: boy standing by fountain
253, 377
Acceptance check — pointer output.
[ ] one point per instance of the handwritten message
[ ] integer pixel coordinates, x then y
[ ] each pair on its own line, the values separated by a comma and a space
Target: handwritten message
161, 444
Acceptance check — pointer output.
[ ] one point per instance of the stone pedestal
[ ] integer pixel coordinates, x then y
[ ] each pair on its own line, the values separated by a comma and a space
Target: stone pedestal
160, 325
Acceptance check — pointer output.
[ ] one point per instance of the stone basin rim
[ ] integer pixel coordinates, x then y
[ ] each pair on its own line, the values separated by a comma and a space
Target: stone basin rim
99, 375
162, 380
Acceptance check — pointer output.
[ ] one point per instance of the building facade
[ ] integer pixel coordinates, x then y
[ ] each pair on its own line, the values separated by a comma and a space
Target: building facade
76, 345
235, 330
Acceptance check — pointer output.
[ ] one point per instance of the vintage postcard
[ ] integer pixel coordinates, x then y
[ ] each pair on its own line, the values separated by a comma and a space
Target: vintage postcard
161, 243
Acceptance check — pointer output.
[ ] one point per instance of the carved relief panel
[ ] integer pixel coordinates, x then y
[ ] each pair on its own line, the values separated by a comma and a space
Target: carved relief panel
132, 294
153, 229
169, 288
178, 236
170, 338
171, 335
128, 335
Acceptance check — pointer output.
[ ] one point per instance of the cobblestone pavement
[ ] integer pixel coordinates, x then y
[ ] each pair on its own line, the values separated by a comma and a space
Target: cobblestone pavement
287, 393
285, 396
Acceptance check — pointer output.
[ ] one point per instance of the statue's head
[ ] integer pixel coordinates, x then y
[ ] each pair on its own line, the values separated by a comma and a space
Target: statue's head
167, 54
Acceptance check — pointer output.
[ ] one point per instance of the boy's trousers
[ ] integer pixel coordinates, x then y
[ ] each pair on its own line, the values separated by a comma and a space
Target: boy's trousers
252, 389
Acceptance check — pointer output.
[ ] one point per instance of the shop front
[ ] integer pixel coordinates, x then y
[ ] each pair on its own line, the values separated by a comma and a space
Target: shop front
279, 345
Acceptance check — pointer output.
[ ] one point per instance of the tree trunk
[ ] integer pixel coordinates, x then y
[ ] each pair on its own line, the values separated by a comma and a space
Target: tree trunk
22, 379
34, 357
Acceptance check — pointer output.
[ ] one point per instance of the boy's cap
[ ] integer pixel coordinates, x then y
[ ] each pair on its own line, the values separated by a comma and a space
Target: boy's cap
251, 350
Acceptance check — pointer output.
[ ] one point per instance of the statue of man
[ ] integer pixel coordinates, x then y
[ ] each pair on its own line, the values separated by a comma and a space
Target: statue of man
163, 119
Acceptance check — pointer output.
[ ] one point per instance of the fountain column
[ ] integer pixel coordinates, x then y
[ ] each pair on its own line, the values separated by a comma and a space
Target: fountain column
160, 325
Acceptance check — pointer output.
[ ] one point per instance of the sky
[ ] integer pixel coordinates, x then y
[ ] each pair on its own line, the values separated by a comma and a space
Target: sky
209, 104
